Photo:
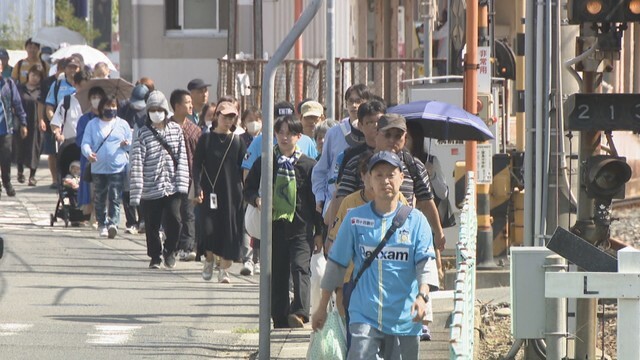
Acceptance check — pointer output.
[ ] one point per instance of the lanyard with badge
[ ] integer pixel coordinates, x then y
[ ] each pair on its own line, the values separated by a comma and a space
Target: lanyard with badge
213, 197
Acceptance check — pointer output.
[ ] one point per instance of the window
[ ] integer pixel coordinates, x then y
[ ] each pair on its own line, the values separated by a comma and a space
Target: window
197, 17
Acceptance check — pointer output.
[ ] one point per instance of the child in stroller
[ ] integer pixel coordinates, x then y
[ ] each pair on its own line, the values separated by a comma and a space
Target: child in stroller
71, 182
69, 178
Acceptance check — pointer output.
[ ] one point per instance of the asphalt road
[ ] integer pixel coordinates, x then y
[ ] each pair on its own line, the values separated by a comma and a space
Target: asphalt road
67, 294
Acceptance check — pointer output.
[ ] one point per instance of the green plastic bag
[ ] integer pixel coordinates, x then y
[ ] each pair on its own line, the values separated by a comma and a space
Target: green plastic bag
330, 343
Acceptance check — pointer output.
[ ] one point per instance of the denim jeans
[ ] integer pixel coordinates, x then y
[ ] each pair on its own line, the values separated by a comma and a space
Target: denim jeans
367, 342
108, 188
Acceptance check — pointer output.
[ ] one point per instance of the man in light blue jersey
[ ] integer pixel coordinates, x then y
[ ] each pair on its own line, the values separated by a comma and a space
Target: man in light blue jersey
388, 304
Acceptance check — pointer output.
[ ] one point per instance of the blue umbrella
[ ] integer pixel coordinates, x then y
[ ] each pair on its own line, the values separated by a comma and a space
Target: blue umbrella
444, 121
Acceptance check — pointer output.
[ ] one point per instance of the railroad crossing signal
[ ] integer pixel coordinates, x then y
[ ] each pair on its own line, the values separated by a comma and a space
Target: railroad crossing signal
605, 177
603, 11
605, 112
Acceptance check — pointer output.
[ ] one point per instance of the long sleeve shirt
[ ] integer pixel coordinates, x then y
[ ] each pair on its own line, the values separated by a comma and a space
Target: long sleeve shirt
306, 219
325, 172
105, 139
10, 107
153, 173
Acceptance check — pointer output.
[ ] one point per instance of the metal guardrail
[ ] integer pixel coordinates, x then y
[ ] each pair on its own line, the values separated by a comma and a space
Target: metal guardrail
462, 323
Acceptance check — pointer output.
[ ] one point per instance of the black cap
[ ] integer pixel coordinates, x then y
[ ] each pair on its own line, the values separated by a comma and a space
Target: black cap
197, 84
282, 108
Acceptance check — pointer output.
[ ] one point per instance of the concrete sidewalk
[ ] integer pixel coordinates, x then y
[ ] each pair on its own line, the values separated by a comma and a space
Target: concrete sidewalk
293, 344
32, 206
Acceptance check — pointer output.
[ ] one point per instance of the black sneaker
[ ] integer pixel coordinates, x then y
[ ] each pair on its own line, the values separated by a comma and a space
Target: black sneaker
10, 190
155, 263
169, 259
21, 178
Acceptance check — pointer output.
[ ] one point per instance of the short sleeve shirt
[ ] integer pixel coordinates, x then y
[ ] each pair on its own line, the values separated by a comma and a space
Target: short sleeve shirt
387, 289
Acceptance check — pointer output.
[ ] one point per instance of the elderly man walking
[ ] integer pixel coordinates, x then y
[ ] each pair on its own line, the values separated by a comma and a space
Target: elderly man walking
389, 297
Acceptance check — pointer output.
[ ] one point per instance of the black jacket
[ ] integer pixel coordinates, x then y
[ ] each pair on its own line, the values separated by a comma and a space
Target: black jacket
306, 219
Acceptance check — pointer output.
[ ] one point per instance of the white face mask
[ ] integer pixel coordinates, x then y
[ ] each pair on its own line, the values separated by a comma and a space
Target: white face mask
156, 116
208, 123
254, 127
95, 102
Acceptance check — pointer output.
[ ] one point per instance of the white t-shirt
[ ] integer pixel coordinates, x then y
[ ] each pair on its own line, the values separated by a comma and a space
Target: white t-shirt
73, 115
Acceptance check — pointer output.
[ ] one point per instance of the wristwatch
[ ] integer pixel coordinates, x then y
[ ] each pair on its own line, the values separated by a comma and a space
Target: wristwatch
424, 297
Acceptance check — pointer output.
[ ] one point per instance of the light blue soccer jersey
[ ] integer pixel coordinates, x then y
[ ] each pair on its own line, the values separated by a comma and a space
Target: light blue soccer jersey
387, 289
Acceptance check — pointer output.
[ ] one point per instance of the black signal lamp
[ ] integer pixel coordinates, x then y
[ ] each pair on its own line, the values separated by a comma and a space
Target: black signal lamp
605, 176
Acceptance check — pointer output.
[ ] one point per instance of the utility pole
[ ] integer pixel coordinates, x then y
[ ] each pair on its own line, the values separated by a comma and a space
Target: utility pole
485, 230
471, 79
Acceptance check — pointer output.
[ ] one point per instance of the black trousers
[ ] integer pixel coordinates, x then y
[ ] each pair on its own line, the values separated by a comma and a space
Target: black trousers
166, 212
187, 240
291, 257
5, 158
133, 214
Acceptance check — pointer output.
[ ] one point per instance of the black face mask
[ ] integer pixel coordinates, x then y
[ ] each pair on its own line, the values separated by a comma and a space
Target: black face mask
109, 113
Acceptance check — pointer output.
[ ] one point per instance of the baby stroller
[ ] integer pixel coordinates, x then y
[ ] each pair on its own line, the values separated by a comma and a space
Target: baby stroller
67, 206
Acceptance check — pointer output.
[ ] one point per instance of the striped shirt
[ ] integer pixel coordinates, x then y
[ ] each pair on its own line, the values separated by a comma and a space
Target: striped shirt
420, 185
153, 175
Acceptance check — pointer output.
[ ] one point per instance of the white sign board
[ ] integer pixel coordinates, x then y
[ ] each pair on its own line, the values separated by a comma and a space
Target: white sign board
484, 69
592, 285
485, 164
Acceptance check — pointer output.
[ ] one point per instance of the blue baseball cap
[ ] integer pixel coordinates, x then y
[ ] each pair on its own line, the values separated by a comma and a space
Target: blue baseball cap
137, 96
384, 156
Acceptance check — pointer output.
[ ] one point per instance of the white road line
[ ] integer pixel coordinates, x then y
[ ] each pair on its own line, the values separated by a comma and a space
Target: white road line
13, 329
111, 334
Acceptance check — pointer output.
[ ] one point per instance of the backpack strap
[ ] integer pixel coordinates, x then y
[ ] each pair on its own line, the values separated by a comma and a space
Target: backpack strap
56, 88
410, 162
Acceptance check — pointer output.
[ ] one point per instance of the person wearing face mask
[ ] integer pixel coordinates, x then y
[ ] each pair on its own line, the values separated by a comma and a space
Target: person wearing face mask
252, 124
105, 144
217, 179
96, 94
160, 179
68, 111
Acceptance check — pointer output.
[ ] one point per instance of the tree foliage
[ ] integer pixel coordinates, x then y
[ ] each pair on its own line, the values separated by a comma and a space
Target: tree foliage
65, 17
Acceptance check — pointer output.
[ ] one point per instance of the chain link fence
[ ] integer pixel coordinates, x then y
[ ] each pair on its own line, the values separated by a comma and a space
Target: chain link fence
243, 79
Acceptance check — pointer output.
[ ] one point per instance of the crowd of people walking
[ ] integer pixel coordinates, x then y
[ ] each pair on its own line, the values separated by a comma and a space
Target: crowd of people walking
184, 169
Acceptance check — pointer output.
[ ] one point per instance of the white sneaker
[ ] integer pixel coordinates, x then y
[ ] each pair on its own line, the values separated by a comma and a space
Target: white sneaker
133, 230
207, 270
103, 232
256, 269
247, 268
184, 255
223, 277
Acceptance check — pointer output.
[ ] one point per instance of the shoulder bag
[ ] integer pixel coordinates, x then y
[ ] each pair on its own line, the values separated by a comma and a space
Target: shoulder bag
86, 175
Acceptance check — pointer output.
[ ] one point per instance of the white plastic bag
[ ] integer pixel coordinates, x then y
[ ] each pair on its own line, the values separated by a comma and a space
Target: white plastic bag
318, 265
252, 221
330, 343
